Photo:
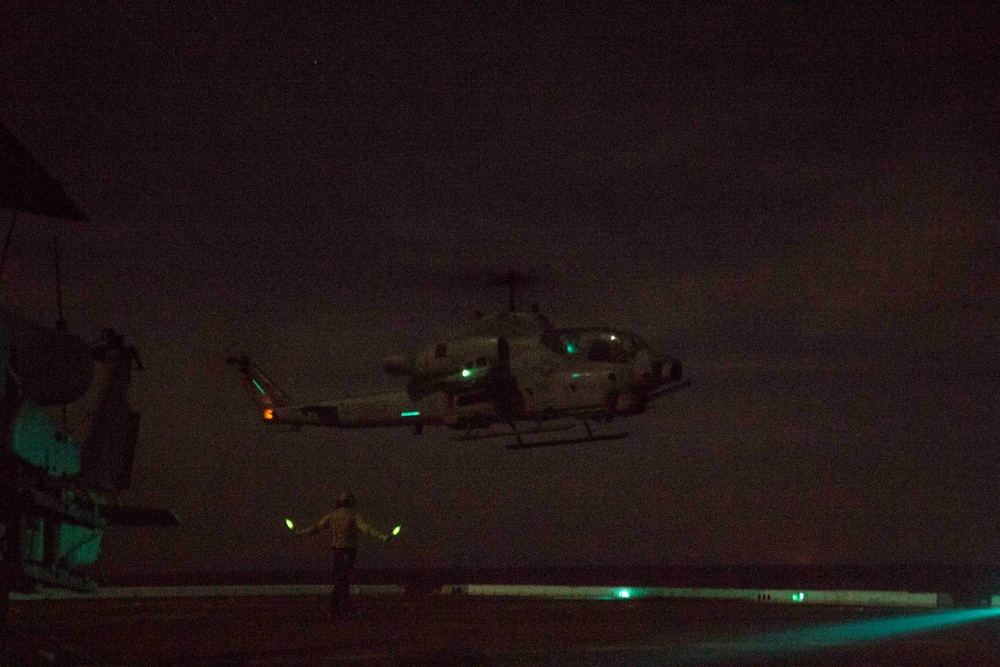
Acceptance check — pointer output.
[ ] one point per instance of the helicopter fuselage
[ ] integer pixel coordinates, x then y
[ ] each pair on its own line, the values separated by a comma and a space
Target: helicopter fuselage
476, 381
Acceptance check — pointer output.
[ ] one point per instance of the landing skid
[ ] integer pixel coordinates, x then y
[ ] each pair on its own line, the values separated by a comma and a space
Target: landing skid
520, 444
556, 427
550, 427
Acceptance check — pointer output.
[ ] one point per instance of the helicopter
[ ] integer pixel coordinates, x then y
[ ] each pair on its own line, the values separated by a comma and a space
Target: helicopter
59, 482
510, 375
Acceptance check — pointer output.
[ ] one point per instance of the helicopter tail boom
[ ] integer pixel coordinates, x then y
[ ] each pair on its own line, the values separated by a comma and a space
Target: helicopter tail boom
373, 410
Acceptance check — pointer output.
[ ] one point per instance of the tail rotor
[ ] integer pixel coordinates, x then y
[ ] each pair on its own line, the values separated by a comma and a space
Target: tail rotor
264, 393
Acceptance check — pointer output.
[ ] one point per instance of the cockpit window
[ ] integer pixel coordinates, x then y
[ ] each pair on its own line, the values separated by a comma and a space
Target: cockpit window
591, 344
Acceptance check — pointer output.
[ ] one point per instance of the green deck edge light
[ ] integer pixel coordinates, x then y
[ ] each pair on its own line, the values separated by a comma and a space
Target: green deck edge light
412, 413
811, 638
259, 388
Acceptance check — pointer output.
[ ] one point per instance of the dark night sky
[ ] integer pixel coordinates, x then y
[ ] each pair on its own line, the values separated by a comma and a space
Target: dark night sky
799, 201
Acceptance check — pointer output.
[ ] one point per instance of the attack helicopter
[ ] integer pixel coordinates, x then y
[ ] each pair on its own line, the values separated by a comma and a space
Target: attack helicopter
509, 375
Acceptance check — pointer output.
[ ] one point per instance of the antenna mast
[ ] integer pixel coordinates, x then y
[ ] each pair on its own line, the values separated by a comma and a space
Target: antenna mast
60, 320
6, 243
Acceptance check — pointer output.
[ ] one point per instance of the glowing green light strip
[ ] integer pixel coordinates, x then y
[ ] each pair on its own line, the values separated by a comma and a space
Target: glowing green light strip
259, 388
414, 413
847, 634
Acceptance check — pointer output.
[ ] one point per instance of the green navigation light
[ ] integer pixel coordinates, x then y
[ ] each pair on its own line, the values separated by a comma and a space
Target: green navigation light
466, 373
395, 531
412, 413
291, 526
798, 597
571, 348
624, 593
259, 388
576, 375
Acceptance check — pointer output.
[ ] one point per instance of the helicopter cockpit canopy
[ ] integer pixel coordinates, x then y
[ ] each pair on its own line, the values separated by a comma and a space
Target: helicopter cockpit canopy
593, 344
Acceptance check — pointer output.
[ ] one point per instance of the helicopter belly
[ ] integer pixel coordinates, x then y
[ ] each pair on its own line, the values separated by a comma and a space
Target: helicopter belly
391, 409
471, 409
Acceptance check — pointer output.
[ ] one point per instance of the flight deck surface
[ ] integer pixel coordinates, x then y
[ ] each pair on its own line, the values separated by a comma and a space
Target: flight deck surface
473, 630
